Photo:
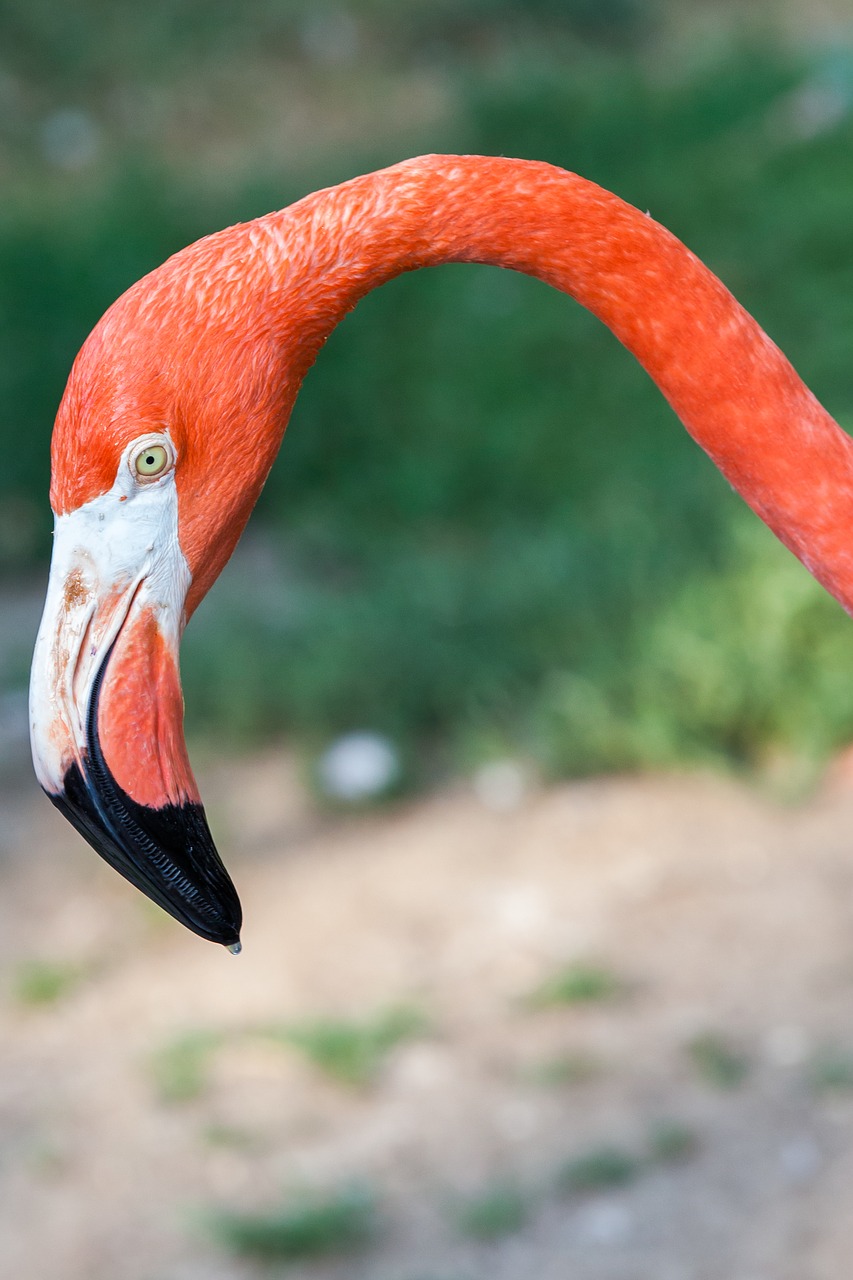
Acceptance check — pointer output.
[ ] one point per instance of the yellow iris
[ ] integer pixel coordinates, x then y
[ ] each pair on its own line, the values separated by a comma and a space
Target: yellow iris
152, 462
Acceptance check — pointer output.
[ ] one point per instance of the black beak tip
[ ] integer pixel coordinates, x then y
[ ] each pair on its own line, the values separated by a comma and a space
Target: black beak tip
167, 853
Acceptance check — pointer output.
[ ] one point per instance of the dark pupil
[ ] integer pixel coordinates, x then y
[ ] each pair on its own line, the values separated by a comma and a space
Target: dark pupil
150, 460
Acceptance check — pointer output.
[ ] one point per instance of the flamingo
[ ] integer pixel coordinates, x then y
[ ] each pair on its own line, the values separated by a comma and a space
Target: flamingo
176, 406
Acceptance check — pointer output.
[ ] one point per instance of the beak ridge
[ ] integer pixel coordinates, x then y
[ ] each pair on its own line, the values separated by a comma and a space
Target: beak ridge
107, 728
168, 853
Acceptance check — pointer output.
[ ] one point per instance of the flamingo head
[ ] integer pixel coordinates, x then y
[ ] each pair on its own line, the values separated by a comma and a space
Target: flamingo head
167, 429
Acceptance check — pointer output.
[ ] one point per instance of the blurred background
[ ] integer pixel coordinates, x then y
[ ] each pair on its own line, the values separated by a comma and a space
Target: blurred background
487, 564
587, 589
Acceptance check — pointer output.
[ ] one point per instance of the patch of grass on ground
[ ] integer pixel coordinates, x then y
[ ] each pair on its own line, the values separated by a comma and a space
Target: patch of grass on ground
351, 1051
832, 1071
671, 1142
228, 1136
42, 982
562, 1069
576, 983
312, 1226
599, 1169
498, 1211
609, 1166
717, 1061
179, 1068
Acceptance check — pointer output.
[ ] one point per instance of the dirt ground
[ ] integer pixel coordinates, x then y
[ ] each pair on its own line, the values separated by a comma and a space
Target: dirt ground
719, 913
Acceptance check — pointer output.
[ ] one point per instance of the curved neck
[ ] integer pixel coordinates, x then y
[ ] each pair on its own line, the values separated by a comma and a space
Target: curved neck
733, 389
217, 340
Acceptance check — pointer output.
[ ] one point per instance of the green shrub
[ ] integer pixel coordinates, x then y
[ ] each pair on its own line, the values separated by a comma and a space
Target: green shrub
671, 1142
310, 1227
40, 982
599, 1169
351, 1052
717, 1061
179, 1068
576, 984
832, 1071
498, 1211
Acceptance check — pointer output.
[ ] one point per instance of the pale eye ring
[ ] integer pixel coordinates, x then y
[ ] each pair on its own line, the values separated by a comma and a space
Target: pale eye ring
152, 460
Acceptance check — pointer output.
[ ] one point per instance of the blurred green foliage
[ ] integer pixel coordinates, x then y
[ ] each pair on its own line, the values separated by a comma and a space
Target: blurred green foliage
599, 1169
563, 1069
717, 1062
832, 1070
311, 1226
672, 1142
45, 982
499, 1210
486, 530
180, 1067
351, 1052
576, 983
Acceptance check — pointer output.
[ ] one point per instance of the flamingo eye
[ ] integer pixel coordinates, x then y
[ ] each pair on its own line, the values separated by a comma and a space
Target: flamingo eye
151, 461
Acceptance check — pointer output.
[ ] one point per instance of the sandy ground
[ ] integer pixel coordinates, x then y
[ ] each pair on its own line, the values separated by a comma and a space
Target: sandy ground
719, 912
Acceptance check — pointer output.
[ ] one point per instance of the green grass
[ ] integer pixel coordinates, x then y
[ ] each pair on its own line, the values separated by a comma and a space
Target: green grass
498, 1211
832, 1071
717, 1061
351, 1052
342, 1222
229, 1137
671, 1142
562, 1069
487, 524
576, 983
179, 1069
611, 1166
46, 982
599, 1169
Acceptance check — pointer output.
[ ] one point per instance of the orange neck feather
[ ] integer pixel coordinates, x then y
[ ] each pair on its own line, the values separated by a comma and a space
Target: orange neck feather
240, 317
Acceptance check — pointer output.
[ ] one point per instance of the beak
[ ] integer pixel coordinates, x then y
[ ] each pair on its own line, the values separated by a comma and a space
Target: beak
106, 717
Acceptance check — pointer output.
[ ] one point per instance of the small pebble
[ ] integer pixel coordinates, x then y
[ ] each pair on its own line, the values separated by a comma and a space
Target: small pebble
800, 1159
607, 1222
359, 766
501, 786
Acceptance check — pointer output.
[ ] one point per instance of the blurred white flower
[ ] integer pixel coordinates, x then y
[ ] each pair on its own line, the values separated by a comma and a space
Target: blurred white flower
358, 766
